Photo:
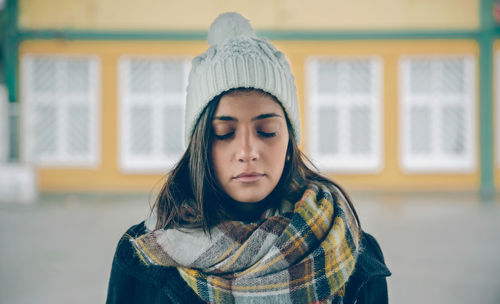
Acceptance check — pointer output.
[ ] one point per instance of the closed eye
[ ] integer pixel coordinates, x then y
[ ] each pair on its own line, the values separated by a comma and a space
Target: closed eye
266, 134
224, 136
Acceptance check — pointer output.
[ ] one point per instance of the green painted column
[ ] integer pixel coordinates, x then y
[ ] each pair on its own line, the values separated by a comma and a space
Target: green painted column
11, 68
486, 39
11, 49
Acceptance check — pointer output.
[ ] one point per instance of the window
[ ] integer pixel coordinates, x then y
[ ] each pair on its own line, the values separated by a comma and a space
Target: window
437, 111
60, 100
344, 114
152, 97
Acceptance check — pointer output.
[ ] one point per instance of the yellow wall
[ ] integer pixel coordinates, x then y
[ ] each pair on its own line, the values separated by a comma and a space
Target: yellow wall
108, 178
264, 14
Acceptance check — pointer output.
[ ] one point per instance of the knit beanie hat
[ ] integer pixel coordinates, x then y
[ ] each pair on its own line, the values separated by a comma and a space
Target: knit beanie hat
237, 58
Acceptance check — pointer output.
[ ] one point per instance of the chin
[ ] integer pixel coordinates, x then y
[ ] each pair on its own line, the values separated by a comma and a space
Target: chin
249, 200
251, 197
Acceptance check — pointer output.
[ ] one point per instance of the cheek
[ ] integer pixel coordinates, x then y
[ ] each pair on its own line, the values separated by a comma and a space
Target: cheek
279, 157
217, 159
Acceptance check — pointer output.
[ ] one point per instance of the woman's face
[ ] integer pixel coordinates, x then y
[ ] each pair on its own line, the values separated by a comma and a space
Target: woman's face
249, 145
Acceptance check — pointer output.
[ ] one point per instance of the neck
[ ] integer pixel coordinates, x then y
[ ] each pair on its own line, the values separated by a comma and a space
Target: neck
248, 211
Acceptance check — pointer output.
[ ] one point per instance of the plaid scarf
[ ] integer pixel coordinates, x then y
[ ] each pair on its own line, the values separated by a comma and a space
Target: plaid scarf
302, 256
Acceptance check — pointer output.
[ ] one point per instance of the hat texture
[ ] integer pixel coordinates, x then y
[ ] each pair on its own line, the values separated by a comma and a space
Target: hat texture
238, 58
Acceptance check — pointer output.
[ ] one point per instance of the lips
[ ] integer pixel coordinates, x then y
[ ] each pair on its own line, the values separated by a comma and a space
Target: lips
248, 177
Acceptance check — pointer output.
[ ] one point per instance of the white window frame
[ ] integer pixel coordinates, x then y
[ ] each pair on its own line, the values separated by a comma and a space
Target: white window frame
157, 162
345, 162
439, 162
62, 158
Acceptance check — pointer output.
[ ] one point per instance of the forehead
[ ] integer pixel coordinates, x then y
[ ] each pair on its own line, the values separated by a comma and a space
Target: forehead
247, 103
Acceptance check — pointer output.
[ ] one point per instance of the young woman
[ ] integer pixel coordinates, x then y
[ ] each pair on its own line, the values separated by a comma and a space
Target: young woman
242, 218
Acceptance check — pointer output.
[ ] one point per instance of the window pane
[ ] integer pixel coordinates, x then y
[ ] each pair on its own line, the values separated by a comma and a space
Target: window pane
453, 130
44, 75
328, 143
140, 76
420, 76
173, 76
45, 130
360, 130
453, 79
359, 81
328, 76
420, 130
141, 130
79, 130
77, 79
173, 124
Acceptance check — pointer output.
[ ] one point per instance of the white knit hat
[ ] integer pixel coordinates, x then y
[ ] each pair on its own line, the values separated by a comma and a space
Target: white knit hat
237, 58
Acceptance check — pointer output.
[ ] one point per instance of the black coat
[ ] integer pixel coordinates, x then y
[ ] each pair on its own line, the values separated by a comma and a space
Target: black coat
132, 281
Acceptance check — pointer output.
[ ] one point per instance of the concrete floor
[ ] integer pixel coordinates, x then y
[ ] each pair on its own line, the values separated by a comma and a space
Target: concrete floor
441, 248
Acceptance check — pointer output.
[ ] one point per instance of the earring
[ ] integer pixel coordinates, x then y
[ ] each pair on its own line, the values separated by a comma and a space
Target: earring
288, 158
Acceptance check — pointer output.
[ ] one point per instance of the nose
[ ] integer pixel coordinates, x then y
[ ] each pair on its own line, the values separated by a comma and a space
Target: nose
247, 147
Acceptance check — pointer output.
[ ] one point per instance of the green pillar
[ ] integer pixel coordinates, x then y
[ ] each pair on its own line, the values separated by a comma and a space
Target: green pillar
11, 68
11, 49
486, 39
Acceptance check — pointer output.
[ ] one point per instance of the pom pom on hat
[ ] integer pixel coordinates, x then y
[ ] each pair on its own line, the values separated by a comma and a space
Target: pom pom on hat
229, 25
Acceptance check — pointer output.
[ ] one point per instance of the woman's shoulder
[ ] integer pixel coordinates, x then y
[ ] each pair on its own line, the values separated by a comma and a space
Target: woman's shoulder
371, 260
134, 231
125, 259
128, 262
133, 281
368, 282
124, 248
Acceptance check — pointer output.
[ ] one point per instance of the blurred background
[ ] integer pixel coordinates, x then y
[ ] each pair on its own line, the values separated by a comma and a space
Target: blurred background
398, 102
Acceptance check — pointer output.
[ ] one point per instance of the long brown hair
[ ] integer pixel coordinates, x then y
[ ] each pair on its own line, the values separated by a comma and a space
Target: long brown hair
191, 196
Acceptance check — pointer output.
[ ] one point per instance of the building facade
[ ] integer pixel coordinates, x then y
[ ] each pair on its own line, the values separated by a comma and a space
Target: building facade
398, 95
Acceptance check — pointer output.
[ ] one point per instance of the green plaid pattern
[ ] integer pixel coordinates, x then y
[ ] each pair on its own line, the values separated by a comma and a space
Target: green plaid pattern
304, 256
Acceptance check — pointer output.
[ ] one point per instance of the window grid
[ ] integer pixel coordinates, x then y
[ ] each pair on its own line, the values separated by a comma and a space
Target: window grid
344, 114
60, 96
152, 97
437, 111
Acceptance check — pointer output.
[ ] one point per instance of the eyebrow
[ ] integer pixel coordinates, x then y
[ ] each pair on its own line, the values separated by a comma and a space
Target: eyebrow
259, 117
